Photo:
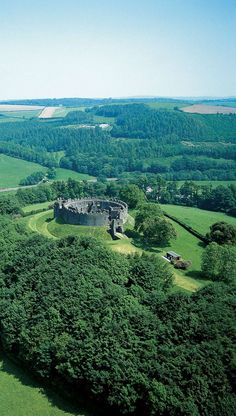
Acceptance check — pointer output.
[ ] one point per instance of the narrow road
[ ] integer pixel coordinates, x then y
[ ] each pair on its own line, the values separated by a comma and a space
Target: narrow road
16, 188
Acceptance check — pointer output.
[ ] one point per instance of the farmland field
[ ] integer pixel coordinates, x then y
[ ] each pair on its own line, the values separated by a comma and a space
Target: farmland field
14, 107
63, 111
47, 112
21, 395
167, 105
196, 218
12, 170
208, 109
22, 114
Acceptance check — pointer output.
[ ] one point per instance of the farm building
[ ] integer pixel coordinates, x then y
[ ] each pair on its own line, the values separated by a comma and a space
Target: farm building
172, 256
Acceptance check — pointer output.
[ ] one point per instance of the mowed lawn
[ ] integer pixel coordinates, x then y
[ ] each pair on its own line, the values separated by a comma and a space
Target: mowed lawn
12, 170
199, 219
21, 395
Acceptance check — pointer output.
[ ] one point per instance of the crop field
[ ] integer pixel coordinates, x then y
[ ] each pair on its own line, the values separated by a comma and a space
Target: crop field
186, 244
199, 219
47, 112
21, 395
14, 107
209, 109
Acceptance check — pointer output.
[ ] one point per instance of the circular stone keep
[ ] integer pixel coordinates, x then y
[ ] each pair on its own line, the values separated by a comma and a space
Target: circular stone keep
92, 212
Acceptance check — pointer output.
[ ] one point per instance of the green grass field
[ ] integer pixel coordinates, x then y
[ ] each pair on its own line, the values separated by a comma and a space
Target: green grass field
34, 207
22, 114
63, 111
199, 219
12, 170
64, 174
168, 105
21, 395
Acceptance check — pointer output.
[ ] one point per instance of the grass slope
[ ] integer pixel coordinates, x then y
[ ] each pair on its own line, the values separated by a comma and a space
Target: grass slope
199, 219
21, 395
64, 174
12, 170
34, 207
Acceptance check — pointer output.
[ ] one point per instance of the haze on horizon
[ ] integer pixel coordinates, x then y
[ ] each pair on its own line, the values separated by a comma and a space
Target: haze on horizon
117, 49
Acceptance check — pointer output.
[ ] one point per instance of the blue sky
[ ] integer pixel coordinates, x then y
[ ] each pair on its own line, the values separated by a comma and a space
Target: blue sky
117, 48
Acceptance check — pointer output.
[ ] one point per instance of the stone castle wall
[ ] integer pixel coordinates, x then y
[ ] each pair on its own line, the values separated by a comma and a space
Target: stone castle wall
92, 212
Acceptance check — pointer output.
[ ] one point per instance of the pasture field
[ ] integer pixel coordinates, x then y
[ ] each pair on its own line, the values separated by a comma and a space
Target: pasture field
199, 219
22, 395
64, 174
9, 119
12, 170
103, 119
167, 105
63, 111
23, 114
186, 244
208, 109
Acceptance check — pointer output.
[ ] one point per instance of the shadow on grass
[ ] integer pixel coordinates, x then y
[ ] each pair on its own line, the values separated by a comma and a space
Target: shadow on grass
139, 242
25, 377
195, 274
202, 244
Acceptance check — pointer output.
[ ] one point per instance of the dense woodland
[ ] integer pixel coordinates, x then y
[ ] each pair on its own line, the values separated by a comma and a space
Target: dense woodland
110, 327
176, 145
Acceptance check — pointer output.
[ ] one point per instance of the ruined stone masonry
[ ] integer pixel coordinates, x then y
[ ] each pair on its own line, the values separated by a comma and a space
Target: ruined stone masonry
93, 212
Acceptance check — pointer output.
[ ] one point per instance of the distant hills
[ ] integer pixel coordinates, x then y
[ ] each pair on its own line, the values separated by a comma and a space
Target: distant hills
88, 102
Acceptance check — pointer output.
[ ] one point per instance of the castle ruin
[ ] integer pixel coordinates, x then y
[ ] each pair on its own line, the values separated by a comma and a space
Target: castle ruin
93, 212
